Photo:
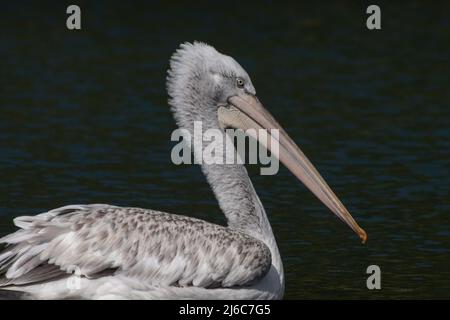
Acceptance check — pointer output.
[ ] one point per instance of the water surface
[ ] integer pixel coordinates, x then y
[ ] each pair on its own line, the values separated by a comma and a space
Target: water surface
84, 119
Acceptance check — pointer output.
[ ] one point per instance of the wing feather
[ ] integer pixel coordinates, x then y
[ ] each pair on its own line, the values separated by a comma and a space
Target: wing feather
151, 246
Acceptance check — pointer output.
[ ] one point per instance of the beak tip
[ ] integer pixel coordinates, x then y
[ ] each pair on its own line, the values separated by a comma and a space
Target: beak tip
362, 235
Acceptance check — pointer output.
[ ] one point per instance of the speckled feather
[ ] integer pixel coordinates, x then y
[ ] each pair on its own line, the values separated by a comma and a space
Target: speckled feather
155, 247
132, 253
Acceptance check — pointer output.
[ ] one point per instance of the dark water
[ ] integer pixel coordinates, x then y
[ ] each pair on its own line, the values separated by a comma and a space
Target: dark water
84, 119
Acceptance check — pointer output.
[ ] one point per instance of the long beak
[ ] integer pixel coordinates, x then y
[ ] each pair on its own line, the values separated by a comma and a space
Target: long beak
246, 112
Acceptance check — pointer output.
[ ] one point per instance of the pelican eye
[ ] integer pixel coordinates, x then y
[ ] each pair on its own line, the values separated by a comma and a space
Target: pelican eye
239, 82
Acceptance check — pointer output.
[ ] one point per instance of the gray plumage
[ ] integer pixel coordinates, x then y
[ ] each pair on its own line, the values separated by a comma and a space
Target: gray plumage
145, 254
157, 247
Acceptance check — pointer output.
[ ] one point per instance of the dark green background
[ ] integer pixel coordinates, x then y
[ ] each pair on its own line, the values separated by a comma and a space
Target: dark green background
84, 119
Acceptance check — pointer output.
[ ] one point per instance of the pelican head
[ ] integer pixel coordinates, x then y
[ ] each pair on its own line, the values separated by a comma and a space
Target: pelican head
205, 85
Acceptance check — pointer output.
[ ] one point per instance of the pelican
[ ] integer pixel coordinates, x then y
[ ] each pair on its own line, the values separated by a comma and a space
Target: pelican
100, 251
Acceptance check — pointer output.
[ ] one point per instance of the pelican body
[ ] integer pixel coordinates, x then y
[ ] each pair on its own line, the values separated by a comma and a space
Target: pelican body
101, 251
